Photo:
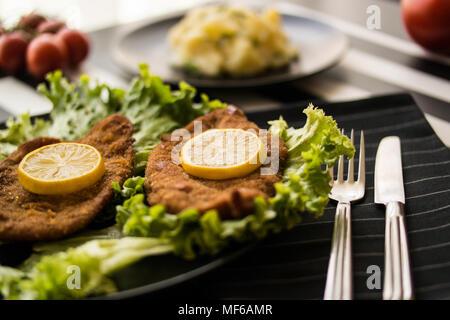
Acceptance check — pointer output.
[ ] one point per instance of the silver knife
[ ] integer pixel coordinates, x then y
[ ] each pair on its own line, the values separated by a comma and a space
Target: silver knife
389, 191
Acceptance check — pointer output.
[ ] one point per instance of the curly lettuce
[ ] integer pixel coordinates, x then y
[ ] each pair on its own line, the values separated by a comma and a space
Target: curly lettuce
318, 143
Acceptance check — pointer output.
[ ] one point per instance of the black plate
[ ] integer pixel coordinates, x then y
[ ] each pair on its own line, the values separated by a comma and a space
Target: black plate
320, 45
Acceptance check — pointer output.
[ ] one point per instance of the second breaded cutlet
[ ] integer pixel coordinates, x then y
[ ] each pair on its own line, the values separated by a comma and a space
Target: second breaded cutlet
167, 183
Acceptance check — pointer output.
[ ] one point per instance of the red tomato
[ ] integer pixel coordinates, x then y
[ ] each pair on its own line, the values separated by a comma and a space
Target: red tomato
63, 49
12, 51
44, 54
428, 23
77, 45
30, 21
50, 26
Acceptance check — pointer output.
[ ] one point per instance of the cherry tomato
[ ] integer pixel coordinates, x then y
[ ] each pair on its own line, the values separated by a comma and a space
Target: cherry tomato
30, 21
428, 23
44, 54
77, 45
12, 51
50, 26
63, 49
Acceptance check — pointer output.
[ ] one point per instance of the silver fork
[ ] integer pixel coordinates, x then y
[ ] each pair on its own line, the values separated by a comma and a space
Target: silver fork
339, 285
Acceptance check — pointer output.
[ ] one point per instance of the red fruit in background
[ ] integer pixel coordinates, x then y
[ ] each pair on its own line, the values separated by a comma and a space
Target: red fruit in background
63, 49
30, 21
77, 45
44, 54
12, 51
428, 23
50, 26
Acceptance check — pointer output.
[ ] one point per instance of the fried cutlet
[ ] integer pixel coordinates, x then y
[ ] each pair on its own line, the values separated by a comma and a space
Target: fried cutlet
168, 184
25, 216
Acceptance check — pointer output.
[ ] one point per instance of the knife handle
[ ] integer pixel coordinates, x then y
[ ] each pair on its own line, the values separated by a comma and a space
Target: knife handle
339, 285
397, 272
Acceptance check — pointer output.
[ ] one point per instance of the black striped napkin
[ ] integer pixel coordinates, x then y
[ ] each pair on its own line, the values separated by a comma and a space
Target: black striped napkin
293, 264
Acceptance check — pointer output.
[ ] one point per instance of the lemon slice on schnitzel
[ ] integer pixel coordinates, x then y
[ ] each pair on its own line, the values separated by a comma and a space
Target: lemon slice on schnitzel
219, 154
61, 168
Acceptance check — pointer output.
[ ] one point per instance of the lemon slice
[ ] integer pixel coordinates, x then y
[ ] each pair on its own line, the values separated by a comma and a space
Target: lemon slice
61, 168
219, 154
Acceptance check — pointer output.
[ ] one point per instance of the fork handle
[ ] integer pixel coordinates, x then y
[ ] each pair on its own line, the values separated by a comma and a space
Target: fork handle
397, 273
339, 285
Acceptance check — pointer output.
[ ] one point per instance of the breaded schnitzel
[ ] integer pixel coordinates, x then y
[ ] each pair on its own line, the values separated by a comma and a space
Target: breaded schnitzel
168, 184
25, 216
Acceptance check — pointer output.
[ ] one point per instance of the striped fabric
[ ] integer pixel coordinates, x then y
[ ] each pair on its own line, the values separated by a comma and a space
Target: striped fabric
293, 264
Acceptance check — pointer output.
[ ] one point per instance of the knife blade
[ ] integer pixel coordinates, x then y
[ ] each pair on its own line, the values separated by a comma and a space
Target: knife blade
388, 172
389, 191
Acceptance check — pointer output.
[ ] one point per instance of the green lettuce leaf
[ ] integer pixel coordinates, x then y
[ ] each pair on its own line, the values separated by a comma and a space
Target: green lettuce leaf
91, 264
77, 108
9, 281
318, 143
20, 130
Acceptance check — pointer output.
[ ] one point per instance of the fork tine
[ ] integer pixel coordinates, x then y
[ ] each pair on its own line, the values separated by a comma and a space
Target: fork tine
362, 160
340, 170
350, 173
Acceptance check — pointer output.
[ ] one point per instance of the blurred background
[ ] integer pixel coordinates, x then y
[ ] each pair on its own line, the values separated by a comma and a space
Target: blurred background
379, 61
89, 15
85, 14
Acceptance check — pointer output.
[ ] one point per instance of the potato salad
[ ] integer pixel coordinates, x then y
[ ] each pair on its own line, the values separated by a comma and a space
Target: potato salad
222, 40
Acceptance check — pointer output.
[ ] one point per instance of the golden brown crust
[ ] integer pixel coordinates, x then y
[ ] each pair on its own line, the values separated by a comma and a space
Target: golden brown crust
168, 184
25, 216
